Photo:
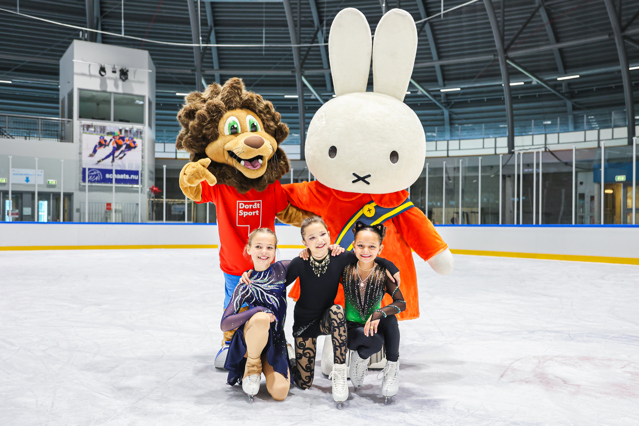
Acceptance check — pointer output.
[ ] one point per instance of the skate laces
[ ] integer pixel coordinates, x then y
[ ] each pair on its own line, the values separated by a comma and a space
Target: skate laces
338, 376
389, 373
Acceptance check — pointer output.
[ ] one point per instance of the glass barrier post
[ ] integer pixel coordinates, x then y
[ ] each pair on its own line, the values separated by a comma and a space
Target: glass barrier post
164, 195
634, 177
515, 189
113, 183
534, 216
521, 189
186, 209
574, 186
479, 197
10, 184
444, 193
501, 156
86, 195
35, 206
603, 157
292, 175
460, 192
61, 190
541, 159
426, 208
207, 212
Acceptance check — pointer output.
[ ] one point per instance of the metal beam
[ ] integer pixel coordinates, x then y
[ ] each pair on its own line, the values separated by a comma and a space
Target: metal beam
560, 63
629, 23
213, 40
313, 91
551, 36
93, 20
298, 73
503, 65
631, 42
321, 36
197, 51
625, 72
540, 81
431, 42
523, 52
522, 28
427, 94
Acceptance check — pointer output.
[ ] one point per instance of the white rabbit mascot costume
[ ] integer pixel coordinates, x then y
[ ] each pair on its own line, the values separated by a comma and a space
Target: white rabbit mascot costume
366, 148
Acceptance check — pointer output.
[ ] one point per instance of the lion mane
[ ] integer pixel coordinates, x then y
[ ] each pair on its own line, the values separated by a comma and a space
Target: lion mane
200, 117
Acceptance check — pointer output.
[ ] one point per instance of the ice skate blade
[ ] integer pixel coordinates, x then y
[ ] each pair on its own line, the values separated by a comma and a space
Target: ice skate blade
339, 405
250, 399
388, 400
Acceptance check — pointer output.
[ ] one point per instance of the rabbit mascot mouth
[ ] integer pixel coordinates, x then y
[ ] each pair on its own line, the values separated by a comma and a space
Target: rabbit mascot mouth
233, 139
365, 148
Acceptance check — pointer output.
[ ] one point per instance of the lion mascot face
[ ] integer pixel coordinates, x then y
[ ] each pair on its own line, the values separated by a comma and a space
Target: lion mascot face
238, 131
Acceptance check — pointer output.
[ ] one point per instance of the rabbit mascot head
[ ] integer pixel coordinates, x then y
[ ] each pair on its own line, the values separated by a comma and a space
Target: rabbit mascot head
361, 141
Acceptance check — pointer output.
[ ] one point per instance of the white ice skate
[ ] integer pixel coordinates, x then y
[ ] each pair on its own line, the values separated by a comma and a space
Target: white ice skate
358, 369
327, 356
390, 384
220, 358
340, 387
251, 385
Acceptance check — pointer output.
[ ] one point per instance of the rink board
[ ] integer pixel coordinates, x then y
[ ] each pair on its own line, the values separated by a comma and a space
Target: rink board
608, 244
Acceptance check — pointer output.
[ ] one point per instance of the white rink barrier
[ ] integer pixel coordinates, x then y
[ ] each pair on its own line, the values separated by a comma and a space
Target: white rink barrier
609, 244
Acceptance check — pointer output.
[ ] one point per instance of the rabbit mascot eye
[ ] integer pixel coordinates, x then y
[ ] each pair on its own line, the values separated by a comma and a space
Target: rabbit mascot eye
233, 137
366, 148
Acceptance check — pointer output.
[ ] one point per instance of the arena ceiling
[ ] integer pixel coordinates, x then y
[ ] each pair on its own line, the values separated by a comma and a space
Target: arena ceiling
471, 47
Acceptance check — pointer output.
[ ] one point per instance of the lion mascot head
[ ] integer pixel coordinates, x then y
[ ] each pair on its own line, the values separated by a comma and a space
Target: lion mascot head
239, 131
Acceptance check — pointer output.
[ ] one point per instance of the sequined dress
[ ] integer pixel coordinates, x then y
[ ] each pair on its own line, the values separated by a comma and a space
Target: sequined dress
266, 293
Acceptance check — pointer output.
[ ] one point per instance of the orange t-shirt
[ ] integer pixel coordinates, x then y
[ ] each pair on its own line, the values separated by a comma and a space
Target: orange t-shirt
239, 214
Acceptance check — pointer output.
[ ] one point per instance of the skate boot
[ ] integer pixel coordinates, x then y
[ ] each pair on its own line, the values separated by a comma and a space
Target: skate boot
340, 386
390, 384
327, 356
252, 377
220, 358
92, 155
358, 369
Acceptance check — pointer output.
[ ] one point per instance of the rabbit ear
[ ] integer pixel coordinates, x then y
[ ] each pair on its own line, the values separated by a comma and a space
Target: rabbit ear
394, 51
349, 49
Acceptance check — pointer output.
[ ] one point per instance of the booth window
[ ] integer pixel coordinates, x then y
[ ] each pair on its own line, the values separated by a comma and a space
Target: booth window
128, 108
94, 105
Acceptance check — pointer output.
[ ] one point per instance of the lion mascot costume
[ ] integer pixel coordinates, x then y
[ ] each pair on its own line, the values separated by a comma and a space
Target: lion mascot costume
365, 148
233, 139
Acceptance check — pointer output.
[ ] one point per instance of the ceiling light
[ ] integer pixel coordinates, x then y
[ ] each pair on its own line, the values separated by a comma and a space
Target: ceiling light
608, 191
633, 68
454, 89
568, 77
290, 96
124, 74
408, 93
6, 81
182, 94
518, 83
547, 122
139, 102
102, 71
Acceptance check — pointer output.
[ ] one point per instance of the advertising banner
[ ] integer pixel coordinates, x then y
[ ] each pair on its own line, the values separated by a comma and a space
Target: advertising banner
108, 148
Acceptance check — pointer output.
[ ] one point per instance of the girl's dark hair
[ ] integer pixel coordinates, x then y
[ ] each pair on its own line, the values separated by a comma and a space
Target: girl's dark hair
309, 221
378, 229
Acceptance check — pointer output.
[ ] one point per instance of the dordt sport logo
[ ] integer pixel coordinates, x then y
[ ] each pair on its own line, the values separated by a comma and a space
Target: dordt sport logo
249, 215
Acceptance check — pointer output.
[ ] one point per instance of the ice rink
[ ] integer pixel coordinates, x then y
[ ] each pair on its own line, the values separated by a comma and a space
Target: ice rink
128, 338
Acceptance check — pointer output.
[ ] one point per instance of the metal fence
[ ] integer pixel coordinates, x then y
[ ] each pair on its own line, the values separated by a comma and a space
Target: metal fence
119, 213
36, 128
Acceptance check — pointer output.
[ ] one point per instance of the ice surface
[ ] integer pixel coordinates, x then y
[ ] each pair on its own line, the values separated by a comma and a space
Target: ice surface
128, 337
